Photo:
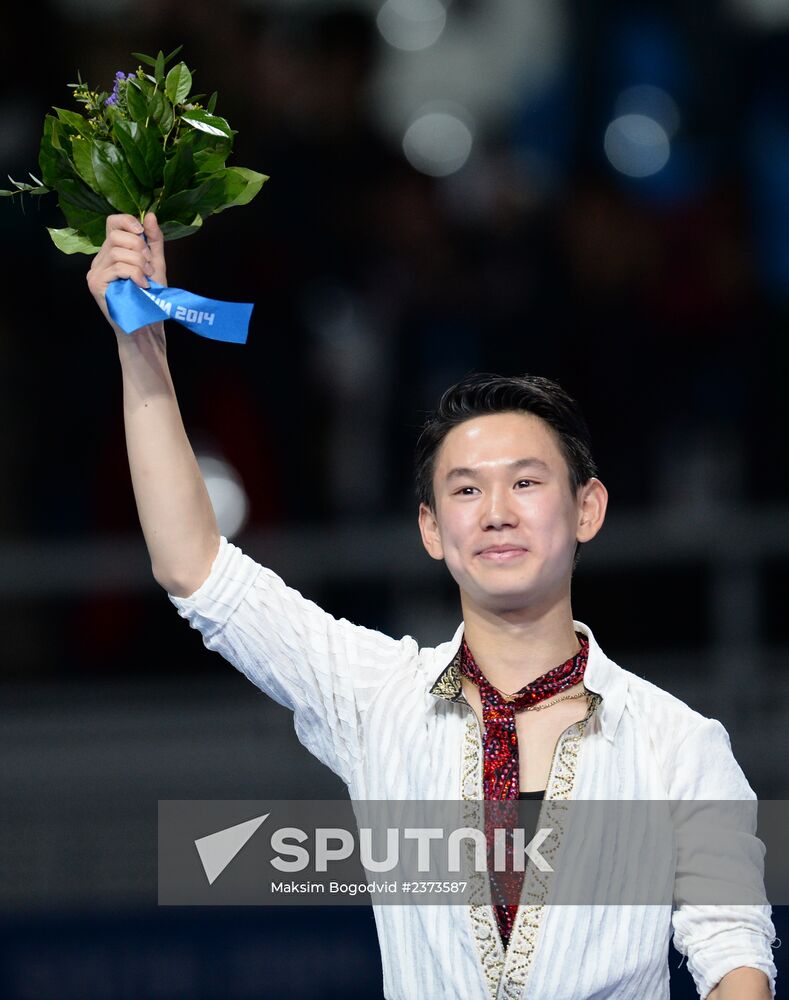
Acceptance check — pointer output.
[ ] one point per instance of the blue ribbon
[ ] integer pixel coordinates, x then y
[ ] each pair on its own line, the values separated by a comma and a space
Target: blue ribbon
132, 307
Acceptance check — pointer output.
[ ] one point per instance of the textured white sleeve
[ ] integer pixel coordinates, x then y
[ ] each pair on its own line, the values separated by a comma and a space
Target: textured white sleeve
325, 670
718, 939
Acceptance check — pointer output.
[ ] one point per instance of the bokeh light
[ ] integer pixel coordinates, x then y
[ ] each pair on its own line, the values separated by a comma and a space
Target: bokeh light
228, 497
437, 143
636, 145
411, 24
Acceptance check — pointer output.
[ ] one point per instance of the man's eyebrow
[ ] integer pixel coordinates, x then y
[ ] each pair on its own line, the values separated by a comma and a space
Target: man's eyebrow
463, 472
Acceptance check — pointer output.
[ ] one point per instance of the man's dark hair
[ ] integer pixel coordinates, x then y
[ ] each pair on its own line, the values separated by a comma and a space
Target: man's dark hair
479, 394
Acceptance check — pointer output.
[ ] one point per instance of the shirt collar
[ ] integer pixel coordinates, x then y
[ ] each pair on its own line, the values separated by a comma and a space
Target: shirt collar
602, 676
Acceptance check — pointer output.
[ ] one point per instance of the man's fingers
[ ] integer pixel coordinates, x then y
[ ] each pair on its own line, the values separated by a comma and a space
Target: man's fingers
152, 231
98, 280
121, 255
123, 222
125, 254
123, 270
155, 238
131, 241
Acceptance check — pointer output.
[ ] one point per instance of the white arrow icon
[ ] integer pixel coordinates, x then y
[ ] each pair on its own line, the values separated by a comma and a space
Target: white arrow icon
218, 849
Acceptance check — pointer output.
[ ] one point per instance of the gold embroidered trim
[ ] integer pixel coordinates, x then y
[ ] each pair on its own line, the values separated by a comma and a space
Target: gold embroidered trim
483, 921
529, 918
448, 684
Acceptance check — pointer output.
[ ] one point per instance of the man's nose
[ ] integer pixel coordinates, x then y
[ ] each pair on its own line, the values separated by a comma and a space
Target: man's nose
499, 509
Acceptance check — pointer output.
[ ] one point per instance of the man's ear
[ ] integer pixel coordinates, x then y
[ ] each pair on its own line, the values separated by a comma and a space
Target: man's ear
429, 530
592, 505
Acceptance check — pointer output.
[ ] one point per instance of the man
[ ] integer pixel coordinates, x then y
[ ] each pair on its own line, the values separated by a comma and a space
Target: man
521, 700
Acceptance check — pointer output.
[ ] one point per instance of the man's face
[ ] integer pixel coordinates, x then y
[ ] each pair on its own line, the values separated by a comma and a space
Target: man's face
506, 520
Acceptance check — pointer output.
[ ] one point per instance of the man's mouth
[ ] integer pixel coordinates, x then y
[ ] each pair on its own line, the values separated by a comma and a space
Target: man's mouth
503, 553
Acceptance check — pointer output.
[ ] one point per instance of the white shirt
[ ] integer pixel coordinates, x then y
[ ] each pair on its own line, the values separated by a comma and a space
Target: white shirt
382, 714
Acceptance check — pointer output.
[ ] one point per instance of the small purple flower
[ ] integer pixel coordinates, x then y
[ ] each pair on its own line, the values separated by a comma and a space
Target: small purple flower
113, 98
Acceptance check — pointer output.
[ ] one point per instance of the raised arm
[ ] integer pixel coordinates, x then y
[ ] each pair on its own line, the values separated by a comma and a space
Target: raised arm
173, 505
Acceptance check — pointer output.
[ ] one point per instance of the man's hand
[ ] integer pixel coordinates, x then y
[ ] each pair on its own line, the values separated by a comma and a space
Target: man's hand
125, 254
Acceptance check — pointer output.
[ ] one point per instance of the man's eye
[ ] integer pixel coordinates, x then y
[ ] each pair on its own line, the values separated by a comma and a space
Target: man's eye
528, 482
463, 490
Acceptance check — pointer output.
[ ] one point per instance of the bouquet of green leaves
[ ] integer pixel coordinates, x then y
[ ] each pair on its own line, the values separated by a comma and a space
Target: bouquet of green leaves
146, 146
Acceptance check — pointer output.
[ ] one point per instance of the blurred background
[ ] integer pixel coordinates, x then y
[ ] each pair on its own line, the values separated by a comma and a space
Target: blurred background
595, 191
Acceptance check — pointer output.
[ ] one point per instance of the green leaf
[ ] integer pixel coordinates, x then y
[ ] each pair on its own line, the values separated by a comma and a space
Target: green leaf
81, 209
22, 187
203, 200
142, 148
136, 101
177, 230
251, 182
53, 164
78, 194
148, 60
223, 189
160, 109
178, 83
172, 55
115, 179
217, 192
211, 103
208, 161
159, 67
80, 125
228, 187
180, 207
70, 241
56, 133
25, 188
211, 151
82, 157
53, 160
212, 124
92, 227
179, 168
